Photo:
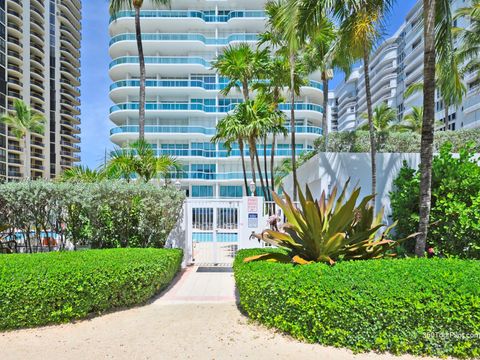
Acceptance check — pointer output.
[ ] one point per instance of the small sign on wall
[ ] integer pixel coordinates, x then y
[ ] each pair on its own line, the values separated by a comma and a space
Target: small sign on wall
252, 221
252, 205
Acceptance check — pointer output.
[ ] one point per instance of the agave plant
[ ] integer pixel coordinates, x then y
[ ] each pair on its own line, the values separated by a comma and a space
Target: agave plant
328, 230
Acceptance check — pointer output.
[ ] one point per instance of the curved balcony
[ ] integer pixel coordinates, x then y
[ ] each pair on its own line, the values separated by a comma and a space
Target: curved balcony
15, 29
192, 14
185, 83
222, 41
133, 129
205, 108
161, 60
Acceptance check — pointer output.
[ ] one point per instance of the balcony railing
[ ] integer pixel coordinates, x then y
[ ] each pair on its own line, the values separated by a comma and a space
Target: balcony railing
186, 37
197, 129
163, 60
206, 108
186, 83
207, 17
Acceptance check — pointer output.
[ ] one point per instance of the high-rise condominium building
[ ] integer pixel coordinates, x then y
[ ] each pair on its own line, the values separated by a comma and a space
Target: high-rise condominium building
395, 65
184, 103
40, 64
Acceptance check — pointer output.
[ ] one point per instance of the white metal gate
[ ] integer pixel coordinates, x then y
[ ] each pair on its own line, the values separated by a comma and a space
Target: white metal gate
213, 230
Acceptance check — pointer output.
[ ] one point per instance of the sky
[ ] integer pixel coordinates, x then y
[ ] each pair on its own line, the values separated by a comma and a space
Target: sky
95, 80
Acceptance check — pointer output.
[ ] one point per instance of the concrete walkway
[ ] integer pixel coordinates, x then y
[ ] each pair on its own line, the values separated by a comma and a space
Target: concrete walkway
196, 318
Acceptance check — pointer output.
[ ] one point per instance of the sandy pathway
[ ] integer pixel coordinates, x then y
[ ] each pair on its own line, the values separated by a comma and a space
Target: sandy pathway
196, 319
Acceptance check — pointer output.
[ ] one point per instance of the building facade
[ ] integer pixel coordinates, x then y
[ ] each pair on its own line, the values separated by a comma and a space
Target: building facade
183, 100
41, 41
395, 65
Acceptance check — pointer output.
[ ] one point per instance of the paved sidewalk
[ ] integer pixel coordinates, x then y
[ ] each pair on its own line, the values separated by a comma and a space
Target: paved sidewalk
200, 287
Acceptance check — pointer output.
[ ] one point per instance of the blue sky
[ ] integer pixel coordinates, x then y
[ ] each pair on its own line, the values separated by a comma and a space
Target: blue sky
95, 80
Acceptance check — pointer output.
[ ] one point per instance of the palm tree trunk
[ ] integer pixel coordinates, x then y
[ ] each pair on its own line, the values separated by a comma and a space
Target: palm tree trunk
272, 163
242, 155
373, 149
446, 116
260, 174
325, 107
292, 124
251, 145
141, 58
426, 149
265, 166
28, 158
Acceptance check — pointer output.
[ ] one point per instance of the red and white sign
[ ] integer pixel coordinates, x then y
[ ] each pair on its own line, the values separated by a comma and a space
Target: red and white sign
252, 205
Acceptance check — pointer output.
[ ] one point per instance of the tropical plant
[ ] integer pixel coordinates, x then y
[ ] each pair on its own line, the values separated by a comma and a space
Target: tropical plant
115, 7
455, 214
242, 65
328, 230
277, 74
83, 174
413, 121
231, 129
287, 44
438, 46
469, 37
383, 117
22, 123
139, 159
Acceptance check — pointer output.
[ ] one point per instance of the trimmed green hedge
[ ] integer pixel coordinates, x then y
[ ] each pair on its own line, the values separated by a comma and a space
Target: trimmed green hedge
391, 142
418, 306
40, 289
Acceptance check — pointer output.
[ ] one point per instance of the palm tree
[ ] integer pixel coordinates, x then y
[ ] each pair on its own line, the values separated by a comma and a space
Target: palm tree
115, 7
277, 72
383, 117
231, 129
287, 44
241, 65
83, 174
22, 124
139, 159
438, 45
413, 121
469, 50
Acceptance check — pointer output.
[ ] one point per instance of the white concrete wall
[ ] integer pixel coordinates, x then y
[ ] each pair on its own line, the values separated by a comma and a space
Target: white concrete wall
326, 170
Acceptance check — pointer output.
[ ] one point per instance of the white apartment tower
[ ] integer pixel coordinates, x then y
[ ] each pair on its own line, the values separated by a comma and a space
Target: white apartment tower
395, 65
40, 64
184, 103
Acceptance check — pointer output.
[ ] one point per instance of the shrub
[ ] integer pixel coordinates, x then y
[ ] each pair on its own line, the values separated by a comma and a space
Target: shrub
455, 215
418, 306
40, 289
328, 229
104, 215
391, 142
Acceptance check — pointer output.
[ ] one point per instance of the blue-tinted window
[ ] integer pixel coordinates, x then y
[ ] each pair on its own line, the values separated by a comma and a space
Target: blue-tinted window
231, 191
202, 191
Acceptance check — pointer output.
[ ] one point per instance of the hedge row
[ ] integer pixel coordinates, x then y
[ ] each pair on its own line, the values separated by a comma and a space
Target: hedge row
418, 306
408, 142
40, 289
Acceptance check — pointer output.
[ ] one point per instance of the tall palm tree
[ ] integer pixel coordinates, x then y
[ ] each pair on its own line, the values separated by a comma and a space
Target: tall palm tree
231, 129
115, 7
438, 45
22, 123
383, 118
288, 44
277, 74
